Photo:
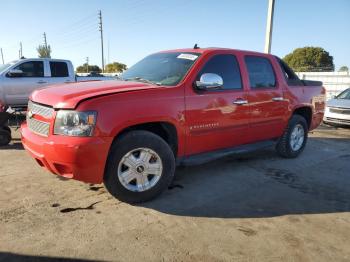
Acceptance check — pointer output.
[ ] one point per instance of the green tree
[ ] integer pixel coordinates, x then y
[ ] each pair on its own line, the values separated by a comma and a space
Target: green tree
310, 59
85, 68
43, 51
115, 67
344, 69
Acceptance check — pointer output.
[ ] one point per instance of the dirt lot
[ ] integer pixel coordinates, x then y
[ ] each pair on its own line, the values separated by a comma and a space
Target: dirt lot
256, 207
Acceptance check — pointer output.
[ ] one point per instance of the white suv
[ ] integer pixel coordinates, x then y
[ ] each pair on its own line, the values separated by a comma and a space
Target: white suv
20, 78
338, 109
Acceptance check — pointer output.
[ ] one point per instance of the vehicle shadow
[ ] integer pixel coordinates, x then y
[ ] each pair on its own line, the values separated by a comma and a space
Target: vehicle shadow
262, 184
8, 257
14, 145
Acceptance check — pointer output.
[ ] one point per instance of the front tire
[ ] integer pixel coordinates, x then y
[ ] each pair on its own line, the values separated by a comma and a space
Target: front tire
140, 166
294, 138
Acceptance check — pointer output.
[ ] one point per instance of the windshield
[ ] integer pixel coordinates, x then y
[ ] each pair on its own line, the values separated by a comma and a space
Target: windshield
162, 68
344, 95
4, 67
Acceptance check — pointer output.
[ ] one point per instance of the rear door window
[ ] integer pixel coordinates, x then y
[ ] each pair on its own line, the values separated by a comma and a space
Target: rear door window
225, 66
59, 69
32, 69
260, 71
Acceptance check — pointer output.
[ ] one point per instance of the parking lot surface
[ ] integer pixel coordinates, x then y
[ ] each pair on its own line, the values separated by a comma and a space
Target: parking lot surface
253, 207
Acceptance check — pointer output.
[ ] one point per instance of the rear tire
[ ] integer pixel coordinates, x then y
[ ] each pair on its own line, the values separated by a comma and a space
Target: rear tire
134, 178
5, 137
294, 138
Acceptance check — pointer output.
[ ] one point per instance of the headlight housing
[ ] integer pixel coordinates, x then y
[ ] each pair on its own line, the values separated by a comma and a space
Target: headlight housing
74, 123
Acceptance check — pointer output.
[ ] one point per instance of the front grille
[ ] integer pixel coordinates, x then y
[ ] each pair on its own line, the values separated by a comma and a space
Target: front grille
35, 125
339, 110
38, 127
36, 109
336, 120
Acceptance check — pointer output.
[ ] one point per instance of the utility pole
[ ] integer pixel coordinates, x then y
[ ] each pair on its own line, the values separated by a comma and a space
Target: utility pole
101, 31
2, 56
20, 50
45, 42
269, 25
108, 61
87, 64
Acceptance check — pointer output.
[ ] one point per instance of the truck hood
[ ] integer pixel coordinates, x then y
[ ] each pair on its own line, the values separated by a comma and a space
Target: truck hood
343, 103
67, 96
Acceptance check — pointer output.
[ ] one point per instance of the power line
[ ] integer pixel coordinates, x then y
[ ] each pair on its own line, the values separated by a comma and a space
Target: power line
149, 11
85, 40
75, 24
15, 46
81, 27
76, 36
76, 30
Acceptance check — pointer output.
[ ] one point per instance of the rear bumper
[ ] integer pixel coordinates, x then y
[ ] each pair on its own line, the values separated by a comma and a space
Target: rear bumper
80, 158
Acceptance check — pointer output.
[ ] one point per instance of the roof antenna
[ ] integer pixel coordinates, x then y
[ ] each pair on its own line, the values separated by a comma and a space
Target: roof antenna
196, 46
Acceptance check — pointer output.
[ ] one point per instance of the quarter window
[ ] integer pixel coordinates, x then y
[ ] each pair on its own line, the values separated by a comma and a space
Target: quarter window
59, 69
225, 66
291, 78
32, 69
261, 74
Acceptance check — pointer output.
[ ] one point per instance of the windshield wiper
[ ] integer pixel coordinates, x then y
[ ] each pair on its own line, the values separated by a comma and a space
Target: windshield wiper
140, 79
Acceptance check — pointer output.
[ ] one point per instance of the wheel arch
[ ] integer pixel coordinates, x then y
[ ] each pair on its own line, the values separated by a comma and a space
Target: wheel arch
163, 129
306, 112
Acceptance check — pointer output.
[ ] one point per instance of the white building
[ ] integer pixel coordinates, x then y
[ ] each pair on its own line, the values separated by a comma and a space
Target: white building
334, 82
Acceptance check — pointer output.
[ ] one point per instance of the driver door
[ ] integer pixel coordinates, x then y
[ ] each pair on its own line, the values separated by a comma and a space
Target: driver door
18, 88
219, 118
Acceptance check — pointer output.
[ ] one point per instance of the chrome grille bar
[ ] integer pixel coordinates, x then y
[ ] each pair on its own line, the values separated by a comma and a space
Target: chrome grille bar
38, 127
44, 111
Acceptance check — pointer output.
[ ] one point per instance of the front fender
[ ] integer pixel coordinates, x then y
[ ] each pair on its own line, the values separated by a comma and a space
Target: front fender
117, 112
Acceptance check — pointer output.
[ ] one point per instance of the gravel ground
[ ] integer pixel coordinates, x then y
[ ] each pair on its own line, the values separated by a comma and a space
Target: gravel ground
253, 207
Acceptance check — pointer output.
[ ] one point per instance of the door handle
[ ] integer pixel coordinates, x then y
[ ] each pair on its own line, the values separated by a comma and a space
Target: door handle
41, 82
276, 99
240, 102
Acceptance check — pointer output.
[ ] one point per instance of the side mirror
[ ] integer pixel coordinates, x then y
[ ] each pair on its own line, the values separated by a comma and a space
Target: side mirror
15, 73
209, 81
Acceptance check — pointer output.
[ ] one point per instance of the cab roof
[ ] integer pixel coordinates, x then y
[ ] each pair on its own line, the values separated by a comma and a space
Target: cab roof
211, 49
39, 59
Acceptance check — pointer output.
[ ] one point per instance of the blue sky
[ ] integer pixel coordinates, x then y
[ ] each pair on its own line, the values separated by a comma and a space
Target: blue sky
136, 28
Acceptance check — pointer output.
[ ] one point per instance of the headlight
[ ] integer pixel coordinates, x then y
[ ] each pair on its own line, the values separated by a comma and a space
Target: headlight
73, 123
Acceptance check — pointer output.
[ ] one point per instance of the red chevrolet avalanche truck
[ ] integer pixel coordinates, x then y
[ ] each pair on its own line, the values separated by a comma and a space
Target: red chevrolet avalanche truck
177, 107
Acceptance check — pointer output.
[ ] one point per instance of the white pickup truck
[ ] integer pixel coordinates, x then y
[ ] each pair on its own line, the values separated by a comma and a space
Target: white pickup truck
18, 79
